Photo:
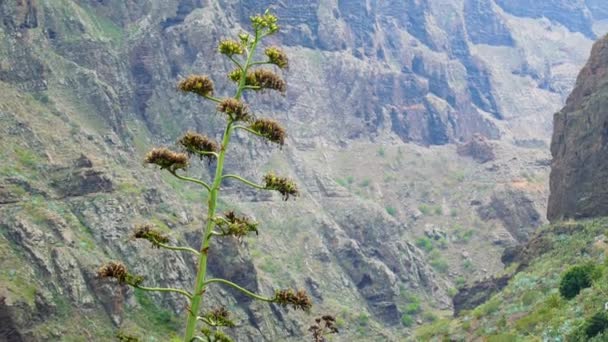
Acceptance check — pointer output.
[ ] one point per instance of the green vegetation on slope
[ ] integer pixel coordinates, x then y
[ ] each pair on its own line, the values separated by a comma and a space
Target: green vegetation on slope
571, 255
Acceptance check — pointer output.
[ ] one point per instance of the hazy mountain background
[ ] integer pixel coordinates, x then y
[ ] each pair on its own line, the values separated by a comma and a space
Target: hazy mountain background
418, 129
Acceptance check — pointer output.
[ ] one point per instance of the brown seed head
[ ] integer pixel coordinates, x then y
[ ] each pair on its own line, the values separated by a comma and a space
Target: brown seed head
148, 232
237, 226
235, 109
260, 78
266, 79
219, 317
167, 159
270, 129
297, 300
277, 57
198, 84
322, 327
283, 185
118, 271
194, 143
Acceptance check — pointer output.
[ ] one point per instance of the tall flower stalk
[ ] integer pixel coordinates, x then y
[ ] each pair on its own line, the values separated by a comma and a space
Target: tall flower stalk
248, 75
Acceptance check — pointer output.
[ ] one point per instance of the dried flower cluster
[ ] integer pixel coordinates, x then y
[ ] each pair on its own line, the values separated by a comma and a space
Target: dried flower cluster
148, 232
237, 226
266, 79
230, 47
218, 317
235, 109
277, 57
298, 300
323, 326
270, 129
283, 185
118, 271
194, 143
198, 84
167, 159
261, 79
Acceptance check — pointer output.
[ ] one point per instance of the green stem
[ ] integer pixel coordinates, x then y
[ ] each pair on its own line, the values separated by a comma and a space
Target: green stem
253, 87
199, 286
242, 289
260, 63
245, 128
177, 248
250, 183
236, 62
192, 180
164, 289
213, 99
206, 153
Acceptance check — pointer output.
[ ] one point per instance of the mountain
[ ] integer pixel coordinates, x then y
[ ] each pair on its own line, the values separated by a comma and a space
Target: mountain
386, 104
533, 298
578, 179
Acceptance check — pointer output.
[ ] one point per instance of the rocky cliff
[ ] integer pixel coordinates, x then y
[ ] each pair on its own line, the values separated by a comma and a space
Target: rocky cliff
579, 180
86, 87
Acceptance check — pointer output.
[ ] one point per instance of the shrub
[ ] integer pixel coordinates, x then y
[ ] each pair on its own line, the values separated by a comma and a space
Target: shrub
413, 308
407, 320
381, 152
391, 211
597, 324
575, 279
425, 244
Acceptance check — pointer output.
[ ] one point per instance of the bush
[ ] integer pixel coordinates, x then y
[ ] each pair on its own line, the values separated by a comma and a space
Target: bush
425, 244
576, 279
597, 324
391, 211
407, 320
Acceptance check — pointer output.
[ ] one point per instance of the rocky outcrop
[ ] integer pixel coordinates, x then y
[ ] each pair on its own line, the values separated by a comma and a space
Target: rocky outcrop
478, 148
471, 296
515, 210
9, 332
579, 171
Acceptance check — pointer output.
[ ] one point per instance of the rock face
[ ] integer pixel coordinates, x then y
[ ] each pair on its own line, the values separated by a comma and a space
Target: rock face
579, 176
515, 210
472, 296
478, 148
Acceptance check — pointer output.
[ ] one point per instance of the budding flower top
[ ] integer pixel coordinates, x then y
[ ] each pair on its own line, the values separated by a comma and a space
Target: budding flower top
230, 47
277, 57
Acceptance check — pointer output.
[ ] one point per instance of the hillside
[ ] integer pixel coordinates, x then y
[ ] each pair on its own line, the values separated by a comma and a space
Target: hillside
527, 302
530, 307
418, 133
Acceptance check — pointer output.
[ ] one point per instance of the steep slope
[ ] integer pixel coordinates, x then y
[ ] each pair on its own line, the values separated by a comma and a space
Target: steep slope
529, 300
530, 307
580, 144
88, 86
